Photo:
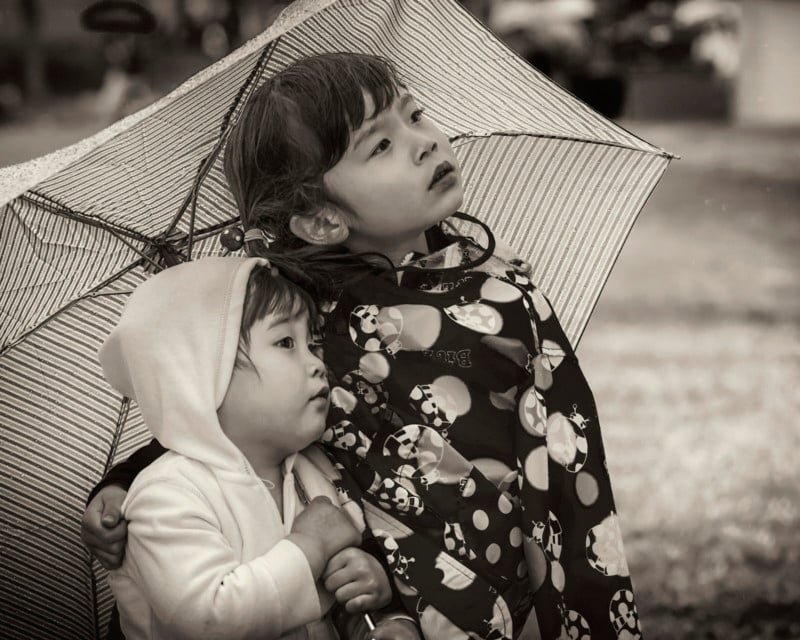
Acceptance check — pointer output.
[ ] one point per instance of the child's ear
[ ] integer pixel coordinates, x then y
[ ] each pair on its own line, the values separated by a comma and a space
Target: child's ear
325, 227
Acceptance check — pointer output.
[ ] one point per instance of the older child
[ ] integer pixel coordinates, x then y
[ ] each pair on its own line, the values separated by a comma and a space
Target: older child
459, 408
222, 541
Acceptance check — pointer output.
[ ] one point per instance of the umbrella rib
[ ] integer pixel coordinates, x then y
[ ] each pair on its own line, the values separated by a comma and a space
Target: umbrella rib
55, 207
138, 251
122, 417
190, 201
120, 233
464, 138
92, 293
201, 234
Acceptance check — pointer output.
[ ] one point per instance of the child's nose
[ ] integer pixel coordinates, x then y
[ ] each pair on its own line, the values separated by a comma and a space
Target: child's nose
426, 148
316, 365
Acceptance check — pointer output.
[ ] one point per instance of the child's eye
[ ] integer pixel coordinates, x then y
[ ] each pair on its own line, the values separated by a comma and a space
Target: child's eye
285, 343
416, 116
382, 146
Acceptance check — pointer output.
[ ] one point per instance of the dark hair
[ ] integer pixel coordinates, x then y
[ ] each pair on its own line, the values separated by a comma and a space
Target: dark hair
294, 129
267, 292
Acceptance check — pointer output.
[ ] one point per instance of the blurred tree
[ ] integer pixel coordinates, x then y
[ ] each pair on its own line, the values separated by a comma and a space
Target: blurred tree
34, 79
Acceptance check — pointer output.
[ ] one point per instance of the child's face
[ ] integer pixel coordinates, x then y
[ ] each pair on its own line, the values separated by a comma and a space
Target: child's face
278, 405
398, 177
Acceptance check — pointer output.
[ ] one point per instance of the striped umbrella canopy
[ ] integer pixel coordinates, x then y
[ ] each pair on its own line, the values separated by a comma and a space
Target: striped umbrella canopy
82, 227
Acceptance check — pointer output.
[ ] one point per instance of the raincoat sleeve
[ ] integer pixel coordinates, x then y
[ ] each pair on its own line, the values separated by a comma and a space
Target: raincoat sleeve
124, 473
179, 559
574, 545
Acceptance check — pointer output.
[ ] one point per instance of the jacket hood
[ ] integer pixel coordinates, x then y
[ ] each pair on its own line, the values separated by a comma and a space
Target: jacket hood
173, 352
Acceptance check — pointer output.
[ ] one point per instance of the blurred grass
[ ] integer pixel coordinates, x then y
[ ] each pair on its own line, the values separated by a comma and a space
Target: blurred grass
694, 357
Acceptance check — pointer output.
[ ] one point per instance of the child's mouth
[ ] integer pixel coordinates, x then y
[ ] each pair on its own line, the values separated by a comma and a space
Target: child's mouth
322, 394
442, 171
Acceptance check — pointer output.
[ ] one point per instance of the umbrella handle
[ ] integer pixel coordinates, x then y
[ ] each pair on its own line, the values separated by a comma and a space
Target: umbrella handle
370, 623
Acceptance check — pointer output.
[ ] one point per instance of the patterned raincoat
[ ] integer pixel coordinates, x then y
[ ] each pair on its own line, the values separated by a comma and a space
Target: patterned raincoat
461, 413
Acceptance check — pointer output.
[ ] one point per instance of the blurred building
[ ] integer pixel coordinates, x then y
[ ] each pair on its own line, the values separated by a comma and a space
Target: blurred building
638, 59
768, 87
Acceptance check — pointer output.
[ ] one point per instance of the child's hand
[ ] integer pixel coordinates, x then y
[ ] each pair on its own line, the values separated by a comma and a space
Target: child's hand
325, 527
103, 529
395, 629
357, 580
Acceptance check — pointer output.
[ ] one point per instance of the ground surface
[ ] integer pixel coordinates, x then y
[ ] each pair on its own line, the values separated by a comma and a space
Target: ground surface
694, 356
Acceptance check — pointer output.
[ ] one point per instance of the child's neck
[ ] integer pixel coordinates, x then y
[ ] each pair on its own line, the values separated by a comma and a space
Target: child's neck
267, 465
272, 475
396, 251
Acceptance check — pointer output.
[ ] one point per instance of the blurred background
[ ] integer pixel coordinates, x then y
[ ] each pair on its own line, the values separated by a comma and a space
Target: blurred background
693, 350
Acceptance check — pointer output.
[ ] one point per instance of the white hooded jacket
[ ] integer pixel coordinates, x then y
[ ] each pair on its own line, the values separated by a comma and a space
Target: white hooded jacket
206, 554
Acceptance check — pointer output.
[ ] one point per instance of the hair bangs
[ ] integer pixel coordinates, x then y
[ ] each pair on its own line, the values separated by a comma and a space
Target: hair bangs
327, 93
376, 78
269, 294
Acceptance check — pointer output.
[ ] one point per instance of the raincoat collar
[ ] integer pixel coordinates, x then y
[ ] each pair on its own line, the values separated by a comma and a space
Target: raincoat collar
456, 249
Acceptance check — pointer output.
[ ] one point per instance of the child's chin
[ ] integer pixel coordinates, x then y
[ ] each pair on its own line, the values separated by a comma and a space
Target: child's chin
455, 200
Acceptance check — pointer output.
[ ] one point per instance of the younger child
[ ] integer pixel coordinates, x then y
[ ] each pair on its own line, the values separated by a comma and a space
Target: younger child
459, 408
234, 533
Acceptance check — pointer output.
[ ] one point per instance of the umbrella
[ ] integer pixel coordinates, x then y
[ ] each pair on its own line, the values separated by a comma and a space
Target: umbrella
82, 227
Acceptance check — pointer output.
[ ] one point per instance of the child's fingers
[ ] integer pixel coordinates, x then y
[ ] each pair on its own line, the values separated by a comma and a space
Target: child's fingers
108, 540
115, 548
363, 602
336, 580
112, 512
94, 534
354, 589
339, 561
348, 576
115, 536
102, 522
108, 560
110, 520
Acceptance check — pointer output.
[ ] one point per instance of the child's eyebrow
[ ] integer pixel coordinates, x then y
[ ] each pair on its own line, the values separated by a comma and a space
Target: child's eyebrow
366, 133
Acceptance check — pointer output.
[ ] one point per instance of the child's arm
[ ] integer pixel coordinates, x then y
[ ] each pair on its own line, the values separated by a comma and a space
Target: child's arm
103, 530
193, 581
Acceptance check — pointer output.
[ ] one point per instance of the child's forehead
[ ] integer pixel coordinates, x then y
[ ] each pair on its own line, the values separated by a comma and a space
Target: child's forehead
373, 117
298, 317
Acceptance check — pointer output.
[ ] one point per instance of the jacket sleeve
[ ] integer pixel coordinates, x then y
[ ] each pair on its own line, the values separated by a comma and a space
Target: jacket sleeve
192, 581
124, 473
